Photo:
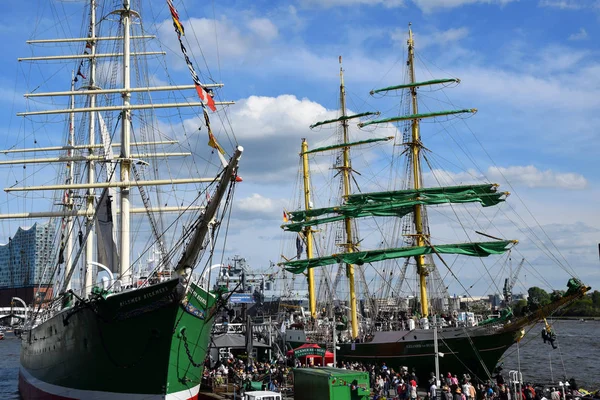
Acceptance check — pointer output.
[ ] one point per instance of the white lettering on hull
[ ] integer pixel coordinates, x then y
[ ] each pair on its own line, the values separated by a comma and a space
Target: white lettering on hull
146, 296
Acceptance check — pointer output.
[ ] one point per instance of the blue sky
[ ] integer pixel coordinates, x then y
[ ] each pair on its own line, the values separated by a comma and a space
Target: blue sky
531, 68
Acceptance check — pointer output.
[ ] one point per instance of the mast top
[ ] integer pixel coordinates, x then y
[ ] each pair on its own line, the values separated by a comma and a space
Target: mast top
342, 80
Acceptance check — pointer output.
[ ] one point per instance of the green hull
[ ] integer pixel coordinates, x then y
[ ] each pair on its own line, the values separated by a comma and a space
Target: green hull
129, 343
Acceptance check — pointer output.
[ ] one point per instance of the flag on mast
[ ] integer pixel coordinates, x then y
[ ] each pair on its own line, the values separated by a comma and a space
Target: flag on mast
204, 95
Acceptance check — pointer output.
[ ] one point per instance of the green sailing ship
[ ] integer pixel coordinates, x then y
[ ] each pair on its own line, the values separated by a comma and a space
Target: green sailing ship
382, 325
113, 325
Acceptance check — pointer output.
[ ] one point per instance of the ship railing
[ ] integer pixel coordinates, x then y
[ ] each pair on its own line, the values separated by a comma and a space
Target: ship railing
383, 326
515, 383
241, 328
221, 384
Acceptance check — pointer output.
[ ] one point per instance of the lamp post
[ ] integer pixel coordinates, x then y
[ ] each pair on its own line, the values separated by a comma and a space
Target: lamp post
564, 387
334, 344
204, 283
105, 269
437, 353
20, 300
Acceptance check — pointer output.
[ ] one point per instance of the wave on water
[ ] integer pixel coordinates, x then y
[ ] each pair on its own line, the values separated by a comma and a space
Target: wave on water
576, 357
9, 367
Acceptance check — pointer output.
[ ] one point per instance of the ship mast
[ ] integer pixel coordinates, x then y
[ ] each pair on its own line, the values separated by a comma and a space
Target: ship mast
415, 151
346, 187
125, 164
312, 299
305, 215
68, 204
91, 177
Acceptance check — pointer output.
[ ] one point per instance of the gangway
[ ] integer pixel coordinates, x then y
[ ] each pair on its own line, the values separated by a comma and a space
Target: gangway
14, 312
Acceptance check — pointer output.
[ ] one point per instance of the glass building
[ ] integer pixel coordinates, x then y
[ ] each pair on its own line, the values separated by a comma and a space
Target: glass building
27, 262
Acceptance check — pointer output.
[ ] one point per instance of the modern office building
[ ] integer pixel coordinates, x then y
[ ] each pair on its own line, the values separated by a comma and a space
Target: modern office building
26, 264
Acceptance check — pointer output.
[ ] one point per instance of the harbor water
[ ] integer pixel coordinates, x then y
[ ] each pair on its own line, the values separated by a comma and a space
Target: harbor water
576, 357
9, 366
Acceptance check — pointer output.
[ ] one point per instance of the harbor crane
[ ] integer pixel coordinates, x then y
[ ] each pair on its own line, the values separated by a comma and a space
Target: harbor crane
509, 283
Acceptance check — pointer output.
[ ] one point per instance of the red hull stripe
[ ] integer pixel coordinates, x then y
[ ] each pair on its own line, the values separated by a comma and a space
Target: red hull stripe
32, 388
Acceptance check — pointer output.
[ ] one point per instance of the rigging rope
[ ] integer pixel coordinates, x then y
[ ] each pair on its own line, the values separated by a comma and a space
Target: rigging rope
204, 94
476, 351
519, 357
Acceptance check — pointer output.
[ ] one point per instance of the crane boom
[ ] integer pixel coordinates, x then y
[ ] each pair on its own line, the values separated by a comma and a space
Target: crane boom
510, 282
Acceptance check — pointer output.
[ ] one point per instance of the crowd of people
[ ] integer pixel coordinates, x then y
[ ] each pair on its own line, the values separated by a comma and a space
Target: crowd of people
389, 384
386, 383
246, 374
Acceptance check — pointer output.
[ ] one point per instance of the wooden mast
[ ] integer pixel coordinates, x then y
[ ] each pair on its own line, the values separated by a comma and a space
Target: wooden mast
349, 245
312, 299
346, 169
415, 151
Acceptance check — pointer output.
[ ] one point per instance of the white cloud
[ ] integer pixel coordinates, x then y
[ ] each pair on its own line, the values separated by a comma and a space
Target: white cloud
282, 116
235, 45
433, 5
257, 206
528, 176
291, 19
570, 4
425, 5
236, 41
337, 3
270, 129
439, 177
531, 89
155, 80
437, 38
555, 58
11, 96
581, 35
263, 28
532, 177
552, 76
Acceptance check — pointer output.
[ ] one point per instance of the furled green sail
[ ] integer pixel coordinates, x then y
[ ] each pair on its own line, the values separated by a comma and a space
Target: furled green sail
349, 144
479, 249
397, 203
416, 84
344, 118
435, 195
418, 116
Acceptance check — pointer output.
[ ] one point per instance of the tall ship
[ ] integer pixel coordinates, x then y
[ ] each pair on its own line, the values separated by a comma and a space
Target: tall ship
134, 198
380, 228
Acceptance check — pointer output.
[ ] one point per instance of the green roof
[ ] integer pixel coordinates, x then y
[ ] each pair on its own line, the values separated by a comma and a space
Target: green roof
332, 372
